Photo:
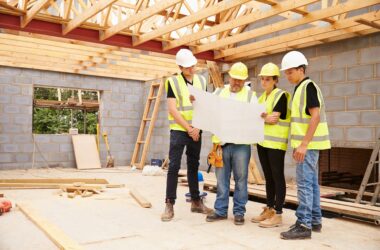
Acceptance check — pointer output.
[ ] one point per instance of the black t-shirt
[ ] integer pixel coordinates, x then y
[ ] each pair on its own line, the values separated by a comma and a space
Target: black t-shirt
311, 96
281, 106
170, 90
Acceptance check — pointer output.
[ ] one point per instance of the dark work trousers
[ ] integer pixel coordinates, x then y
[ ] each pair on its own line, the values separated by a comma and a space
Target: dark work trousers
272, 162
178, 141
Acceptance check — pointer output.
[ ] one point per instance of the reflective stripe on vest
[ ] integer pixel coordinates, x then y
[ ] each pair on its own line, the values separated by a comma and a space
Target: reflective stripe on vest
225, 92
276, 135
183, 104
300, 120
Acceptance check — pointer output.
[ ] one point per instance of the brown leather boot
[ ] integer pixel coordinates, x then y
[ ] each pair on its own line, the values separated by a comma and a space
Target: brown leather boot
168, 213
266, 214
274, 221
197, 206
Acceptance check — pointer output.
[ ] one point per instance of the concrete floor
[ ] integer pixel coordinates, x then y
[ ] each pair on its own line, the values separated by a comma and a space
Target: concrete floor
121, 223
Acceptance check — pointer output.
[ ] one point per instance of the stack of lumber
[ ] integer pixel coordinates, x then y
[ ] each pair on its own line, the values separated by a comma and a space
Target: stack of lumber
365, 212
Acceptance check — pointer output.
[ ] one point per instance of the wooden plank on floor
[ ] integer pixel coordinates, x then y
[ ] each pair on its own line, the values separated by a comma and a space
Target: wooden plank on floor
60, 239
140, 199
55, 181
86, 152
341, 207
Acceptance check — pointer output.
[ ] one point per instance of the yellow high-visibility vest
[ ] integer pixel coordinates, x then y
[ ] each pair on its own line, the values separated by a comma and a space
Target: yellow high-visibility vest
181, 92
276, 135
300, 120
244, 95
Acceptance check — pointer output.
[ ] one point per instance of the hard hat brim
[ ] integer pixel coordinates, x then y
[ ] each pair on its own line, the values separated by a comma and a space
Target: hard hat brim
238, 77
191, 62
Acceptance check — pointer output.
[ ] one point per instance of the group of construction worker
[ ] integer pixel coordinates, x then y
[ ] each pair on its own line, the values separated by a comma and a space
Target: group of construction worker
299, 117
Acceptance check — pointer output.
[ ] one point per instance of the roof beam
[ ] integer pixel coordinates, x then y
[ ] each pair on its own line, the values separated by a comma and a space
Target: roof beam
141, 16
368, 23
202, 14
312, 33
88, 13
313, 16
250, 18
30, 14
336, 35
10, 7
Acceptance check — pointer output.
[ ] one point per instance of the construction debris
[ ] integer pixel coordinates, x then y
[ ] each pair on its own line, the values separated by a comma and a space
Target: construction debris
140, 199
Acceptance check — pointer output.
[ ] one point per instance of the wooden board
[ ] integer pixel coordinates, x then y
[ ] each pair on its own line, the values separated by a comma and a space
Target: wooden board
60, 239
371, 213
55, 181
140, 199
86, 152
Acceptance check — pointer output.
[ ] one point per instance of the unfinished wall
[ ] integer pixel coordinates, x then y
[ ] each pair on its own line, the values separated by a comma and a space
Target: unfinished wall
120, 111
348, 72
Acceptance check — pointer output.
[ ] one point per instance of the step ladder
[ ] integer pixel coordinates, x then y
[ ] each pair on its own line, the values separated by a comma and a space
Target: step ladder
154, 98
373, 161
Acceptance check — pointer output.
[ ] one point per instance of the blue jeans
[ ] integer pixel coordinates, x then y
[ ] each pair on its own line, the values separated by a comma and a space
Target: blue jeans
309, 209
235, 158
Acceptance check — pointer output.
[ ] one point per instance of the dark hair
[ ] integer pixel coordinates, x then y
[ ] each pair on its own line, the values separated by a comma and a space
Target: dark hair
303, 66
275, 78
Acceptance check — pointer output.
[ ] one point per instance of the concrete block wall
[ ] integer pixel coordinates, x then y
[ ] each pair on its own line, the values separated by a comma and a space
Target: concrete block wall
348, 73
120, 113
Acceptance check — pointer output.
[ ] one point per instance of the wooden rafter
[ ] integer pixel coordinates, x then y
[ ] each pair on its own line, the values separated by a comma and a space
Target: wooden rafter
317, 15
10, 7
30, 14
308, 35
215, 9
152, 10
277, 9
88, 13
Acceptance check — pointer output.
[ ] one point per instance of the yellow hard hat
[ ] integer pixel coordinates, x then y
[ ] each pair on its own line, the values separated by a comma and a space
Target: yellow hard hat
270, 69
239, 71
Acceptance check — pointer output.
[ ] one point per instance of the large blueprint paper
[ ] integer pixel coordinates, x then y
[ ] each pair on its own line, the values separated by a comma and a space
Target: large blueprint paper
230, 120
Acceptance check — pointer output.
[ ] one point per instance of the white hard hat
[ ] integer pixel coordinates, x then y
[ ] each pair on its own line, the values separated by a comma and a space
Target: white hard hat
293, 59
185, 58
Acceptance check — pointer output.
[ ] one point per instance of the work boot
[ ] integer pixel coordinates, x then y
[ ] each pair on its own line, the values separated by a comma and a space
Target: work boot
316, 228
239, 220
274, 221
215, 217
197, 206
168, 213
297, 232
266, 214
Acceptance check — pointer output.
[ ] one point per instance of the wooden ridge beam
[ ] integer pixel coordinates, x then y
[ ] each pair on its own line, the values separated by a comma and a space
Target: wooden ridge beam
142, 15
313, 16
196, 17
88, 13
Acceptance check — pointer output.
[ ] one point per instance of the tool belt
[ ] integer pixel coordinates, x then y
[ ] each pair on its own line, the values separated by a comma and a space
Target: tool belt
215, 157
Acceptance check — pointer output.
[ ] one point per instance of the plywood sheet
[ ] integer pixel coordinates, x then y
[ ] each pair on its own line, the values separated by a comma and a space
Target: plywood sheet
86, 152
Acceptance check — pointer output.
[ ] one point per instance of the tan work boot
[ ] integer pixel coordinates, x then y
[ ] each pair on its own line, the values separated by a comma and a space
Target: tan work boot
168, 213
197, 206
266, 214
274, 221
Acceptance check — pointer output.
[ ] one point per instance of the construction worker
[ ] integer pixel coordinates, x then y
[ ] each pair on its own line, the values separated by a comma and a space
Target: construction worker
235, 156
272, 150
309, 135
182, 134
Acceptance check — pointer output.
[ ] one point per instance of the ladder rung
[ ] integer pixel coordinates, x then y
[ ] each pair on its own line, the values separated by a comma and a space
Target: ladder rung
147, 119
373, 184
141, 142
152, 98
156, 84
